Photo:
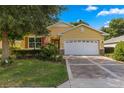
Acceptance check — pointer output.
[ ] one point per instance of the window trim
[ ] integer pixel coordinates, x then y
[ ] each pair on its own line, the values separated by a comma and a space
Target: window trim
34, 42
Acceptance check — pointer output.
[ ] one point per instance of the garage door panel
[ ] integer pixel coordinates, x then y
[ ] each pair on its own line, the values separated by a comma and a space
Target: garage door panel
81, 47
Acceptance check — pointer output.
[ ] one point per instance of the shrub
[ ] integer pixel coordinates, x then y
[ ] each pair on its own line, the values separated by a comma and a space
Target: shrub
119, 51
50, 52
109, 55
59, 58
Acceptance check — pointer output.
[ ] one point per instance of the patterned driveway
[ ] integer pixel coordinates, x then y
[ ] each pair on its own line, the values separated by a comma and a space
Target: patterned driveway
94, 72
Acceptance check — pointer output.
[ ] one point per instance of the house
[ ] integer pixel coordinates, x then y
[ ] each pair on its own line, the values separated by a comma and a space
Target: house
70, 39
111, 43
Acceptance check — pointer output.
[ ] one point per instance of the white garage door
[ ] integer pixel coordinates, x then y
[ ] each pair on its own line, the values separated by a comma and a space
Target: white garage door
81, 47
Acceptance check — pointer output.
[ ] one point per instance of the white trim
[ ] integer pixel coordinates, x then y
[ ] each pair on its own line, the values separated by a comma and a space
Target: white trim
73, 52
59, 23
61, 48
34, 36
35, 40
110, 45
103, 33
69, 70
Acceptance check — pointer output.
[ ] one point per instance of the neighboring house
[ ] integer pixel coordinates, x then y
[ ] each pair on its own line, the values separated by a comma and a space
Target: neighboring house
71, 40
111, 43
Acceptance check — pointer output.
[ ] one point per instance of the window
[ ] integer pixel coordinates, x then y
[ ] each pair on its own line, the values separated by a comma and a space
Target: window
91, 41
38, 42
75, 41
34, 42
87, 41
71, 41
83, 40
95, 41
79, 40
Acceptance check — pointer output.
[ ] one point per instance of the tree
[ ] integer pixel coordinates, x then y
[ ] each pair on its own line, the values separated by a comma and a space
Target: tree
79, 22
119, 51
116, 28
105, 29
15, 21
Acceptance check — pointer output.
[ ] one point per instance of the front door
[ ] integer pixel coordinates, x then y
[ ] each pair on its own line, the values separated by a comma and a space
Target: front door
56, 42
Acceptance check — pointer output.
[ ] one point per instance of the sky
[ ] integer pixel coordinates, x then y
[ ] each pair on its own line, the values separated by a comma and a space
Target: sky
95, 15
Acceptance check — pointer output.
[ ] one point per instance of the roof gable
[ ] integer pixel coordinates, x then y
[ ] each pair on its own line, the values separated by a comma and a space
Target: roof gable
114, 40
79, 26
60, 24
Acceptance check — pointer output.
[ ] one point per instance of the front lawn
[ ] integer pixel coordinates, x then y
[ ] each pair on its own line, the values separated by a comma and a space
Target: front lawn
33, 73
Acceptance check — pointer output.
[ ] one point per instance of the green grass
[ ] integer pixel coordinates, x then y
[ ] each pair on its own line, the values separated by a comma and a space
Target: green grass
33, 73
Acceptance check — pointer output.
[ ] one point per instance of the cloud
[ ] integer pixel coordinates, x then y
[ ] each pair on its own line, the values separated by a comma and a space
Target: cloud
111, 11
91, 8
106, 24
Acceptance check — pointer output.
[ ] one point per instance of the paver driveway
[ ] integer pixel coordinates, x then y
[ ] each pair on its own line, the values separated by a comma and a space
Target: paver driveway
94, 72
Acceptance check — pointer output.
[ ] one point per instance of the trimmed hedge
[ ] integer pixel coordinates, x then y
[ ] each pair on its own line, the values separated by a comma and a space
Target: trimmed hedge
23, 54
119, 51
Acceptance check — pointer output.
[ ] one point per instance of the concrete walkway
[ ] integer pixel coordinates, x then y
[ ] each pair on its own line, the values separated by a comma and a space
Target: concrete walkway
93, 72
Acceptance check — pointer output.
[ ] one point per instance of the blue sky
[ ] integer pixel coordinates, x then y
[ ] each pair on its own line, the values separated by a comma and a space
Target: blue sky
96, 15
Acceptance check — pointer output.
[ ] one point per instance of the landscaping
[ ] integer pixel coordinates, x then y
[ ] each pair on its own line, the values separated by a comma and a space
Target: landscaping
111, 55
33, 73
29, 68
118, 53
34, 68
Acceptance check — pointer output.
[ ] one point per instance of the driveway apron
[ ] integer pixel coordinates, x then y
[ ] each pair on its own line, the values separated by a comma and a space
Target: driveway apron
93, 72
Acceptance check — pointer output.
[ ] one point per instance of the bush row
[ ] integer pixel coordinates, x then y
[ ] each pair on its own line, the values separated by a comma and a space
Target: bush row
48, 52
117, 53
21, 54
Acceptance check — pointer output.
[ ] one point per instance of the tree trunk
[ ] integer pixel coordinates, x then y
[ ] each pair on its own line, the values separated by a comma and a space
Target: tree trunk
5, 46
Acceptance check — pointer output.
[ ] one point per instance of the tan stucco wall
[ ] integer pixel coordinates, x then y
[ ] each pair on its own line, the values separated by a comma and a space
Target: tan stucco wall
18, 44
57, 30
53, 33
24, 41
75, 34
86, 34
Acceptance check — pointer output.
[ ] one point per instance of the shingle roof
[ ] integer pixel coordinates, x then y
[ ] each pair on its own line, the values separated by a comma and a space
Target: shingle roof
114, 40
60, 22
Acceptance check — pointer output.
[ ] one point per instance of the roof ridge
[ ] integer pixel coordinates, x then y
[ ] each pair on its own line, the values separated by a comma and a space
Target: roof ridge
115, 39
60, 22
